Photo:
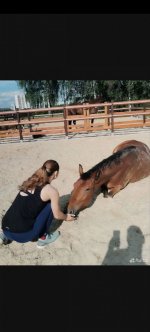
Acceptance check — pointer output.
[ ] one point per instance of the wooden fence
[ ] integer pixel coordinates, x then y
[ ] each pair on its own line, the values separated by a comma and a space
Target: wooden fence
56, 120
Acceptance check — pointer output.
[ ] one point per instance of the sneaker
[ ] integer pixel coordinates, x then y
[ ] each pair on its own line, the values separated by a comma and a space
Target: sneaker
4, 239
44, 240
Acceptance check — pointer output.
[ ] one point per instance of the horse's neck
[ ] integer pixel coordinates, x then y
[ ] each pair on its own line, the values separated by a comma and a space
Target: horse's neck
105, 175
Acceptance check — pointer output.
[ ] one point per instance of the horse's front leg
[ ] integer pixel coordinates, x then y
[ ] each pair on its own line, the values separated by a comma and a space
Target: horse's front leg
92, 122
114, 190
104, 190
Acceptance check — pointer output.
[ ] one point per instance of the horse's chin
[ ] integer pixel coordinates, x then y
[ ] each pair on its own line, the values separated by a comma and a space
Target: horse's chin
73, 212
77, 214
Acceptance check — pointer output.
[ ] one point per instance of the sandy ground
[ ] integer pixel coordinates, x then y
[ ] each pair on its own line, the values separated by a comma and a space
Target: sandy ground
87, 241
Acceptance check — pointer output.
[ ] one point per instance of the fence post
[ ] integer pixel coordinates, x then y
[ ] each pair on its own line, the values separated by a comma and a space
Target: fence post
19, 125
85, 120
112, 119
107, 120
66, 121
30, 126
144, 117
88, 120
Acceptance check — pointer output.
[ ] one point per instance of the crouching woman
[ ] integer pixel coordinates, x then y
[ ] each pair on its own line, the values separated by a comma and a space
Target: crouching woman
31, 213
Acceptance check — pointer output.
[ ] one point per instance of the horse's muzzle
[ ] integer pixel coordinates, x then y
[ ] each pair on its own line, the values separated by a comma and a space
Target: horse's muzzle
73, 212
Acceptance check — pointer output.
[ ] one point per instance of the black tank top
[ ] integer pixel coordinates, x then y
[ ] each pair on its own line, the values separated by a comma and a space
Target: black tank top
22, 214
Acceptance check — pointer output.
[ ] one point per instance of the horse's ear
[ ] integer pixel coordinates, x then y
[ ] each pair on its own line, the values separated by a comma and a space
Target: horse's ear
97, 175
80, 169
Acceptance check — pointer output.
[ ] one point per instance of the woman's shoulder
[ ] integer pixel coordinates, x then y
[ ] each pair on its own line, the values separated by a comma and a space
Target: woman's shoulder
49, 193
48, 188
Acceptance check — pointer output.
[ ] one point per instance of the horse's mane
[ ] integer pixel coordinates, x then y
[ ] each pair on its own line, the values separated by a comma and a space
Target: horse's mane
108, 162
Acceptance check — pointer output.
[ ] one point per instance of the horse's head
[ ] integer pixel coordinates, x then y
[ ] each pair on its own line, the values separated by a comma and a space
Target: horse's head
83, 194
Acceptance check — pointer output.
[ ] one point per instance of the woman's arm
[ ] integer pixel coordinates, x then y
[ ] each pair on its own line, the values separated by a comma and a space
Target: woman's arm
54, 197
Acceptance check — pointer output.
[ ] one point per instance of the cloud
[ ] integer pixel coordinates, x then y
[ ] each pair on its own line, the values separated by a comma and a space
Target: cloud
8, 98
9, 93
8, 90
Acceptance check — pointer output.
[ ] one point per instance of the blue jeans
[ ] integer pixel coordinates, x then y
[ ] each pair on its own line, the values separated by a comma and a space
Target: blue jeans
41, 226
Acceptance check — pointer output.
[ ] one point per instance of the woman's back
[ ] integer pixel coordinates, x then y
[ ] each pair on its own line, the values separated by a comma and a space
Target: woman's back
21, 215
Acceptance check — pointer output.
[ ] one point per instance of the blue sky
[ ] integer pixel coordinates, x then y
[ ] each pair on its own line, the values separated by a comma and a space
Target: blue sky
8, 89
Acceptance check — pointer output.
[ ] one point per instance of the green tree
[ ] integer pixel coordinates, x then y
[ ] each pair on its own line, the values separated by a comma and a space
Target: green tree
40, 92
49, 93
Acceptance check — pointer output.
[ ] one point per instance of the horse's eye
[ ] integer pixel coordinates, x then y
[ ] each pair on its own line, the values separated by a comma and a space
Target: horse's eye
87, 189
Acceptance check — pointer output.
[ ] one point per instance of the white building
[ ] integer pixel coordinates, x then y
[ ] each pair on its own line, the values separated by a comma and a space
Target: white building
20, 102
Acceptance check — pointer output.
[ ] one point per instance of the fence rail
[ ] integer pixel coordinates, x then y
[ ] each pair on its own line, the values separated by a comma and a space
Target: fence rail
22, 123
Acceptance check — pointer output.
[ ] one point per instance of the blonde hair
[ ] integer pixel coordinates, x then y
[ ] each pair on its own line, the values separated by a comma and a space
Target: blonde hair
41, 177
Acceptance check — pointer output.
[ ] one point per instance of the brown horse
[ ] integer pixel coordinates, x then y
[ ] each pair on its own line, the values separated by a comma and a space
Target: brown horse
79, 111
129, 143
129, 163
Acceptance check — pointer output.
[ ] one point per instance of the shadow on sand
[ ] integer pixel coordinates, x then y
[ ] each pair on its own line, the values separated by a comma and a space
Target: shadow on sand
132, 255
63, 205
